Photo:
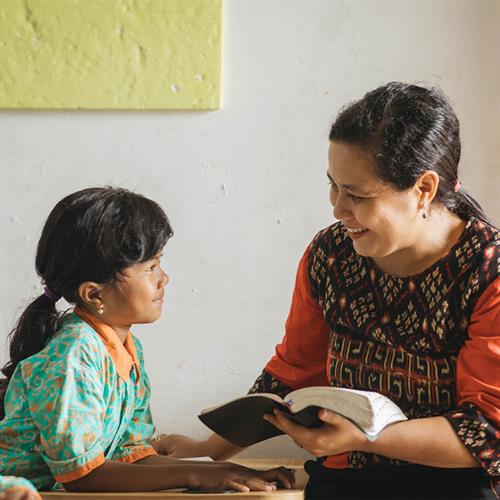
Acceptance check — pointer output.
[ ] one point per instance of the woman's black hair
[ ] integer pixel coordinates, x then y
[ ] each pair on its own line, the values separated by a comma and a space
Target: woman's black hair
90, 235
410, 130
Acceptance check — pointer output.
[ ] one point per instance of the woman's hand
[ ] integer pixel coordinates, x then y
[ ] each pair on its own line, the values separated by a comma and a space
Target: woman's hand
222, 476
179, 446
19, 493
338, 435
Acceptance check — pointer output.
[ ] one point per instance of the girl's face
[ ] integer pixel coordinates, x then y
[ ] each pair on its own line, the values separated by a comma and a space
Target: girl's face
379, 220
137, 295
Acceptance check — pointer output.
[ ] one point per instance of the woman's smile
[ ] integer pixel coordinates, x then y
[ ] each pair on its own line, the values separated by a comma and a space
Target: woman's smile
356, 232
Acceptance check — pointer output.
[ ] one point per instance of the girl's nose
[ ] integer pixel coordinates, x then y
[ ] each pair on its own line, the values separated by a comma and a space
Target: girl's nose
165, 278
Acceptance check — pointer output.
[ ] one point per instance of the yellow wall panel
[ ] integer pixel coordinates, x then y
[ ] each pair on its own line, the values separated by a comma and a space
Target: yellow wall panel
110, 54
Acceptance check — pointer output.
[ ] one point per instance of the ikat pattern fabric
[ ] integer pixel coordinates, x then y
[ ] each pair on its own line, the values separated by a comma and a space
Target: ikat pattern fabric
400, 336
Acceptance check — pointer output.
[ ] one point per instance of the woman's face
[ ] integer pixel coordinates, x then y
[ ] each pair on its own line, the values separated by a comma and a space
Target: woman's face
379, 220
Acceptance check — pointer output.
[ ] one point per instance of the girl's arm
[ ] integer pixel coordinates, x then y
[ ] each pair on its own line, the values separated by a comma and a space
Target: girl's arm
119, 476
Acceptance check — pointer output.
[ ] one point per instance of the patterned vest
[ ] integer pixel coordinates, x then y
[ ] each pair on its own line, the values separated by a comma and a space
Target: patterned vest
400, 336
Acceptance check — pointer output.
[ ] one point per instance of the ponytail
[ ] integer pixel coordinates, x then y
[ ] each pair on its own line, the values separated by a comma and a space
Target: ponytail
409, 129
466, 207
90, 235
34, 329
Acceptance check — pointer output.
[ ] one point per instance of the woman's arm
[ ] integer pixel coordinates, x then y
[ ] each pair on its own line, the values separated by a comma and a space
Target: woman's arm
178, 446
426, 441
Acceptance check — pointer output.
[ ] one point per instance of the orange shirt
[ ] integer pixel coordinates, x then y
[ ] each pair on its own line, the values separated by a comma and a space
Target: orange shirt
421, 341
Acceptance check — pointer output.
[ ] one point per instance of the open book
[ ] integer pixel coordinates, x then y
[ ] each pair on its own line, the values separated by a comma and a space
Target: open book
240, 421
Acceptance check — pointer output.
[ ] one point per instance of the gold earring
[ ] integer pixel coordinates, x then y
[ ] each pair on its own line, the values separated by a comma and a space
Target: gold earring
100, 310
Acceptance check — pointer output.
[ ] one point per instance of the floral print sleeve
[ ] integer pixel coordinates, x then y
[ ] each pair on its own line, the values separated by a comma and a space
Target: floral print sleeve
134, 443
65, 393
12, 482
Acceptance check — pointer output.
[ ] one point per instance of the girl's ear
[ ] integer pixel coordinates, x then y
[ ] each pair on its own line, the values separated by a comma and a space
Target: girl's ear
89, 293
426, 188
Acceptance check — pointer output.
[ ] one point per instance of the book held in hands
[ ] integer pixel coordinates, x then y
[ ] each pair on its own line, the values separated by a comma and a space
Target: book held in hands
241, 422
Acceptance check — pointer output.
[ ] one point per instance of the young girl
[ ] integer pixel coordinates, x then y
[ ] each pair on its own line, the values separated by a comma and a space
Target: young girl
77, 401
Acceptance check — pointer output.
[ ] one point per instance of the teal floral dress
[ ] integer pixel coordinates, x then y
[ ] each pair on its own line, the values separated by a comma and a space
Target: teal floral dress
12, 482
80, 401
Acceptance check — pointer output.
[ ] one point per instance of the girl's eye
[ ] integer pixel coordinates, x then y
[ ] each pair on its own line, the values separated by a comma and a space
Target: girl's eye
152, 268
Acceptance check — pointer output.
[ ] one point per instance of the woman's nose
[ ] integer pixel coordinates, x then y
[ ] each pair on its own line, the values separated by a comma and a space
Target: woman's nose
340, 211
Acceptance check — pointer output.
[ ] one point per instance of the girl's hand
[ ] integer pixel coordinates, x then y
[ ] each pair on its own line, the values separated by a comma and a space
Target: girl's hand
179, 446
222, 476
19, 493
338, 435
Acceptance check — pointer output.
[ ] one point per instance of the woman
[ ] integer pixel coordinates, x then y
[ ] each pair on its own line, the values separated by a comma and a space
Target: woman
401, 296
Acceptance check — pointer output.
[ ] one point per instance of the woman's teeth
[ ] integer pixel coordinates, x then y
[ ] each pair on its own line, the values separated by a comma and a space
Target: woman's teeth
360, 230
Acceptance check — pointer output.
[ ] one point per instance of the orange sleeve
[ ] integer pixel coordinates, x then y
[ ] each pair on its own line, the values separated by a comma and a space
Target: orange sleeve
478, 366
300, 359
138, 454
81, 471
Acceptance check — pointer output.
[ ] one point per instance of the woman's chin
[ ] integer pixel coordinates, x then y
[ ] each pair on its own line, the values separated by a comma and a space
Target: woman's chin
363, 249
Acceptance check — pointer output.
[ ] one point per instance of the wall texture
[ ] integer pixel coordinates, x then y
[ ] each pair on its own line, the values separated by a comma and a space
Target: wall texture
245, 187
110, 54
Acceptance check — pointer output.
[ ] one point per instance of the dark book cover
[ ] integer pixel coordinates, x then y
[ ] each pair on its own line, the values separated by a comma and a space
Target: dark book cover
241, 422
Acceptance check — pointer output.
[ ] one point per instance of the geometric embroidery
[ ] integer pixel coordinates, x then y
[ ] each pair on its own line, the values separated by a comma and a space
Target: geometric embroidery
400, 336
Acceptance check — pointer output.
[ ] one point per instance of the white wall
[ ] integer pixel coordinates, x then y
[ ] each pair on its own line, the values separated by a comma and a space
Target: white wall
245, 187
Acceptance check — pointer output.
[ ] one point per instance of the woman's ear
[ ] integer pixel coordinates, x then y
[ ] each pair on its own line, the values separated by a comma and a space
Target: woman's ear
89, 292
426, 187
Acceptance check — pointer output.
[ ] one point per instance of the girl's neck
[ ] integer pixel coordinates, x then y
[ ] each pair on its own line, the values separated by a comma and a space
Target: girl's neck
439, 233
121, 330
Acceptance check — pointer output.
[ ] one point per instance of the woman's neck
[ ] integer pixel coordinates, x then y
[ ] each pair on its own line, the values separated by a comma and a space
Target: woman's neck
438, 235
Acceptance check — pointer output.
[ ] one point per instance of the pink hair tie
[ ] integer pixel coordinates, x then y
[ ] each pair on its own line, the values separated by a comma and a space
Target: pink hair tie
457, 186
51, 295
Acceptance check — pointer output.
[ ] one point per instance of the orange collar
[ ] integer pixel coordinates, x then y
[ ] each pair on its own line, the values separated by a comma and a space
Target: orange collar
124, 355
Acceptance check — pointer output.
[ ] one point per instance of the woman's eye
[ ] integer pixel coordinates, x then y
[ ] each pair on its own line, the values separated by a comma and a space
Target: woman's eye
354, 198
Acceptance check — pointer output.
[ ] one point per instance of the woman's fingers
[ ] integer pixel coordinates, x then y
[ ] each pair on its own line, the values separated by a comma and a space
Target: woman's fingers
329, 417
273, 420
296, 431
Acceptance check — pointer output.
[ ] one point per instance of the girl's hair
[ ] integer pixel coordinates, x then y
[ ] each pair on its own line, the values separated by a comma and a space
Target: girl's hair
410, 130
90, 235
